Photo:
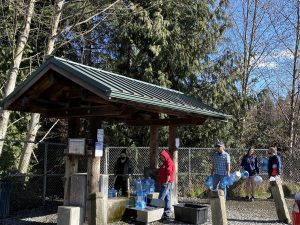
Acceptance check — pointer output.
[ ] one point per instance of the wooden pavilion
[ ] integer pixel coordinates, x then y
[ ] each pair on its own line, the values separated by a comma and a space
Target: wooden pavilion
60, 88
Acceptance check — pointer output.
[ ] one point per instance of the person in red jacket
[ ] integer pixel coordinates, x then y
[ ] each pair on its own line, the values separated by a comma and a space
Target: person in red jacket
165, 179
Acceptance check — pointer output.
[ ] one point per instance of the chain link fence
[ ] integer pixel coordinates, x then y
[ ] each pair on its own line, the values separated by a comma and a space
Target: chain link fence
44, 184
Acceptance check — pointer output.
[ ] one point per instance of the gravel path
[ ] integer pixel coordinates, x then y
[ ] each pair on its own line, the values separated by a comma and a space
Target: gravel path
259, 212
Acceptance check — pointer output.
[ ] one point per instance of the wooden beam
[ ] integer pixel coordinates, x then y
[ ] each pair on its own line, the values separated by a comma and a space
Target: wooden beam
151, 108
42, 85
104, 110
167, 122
29, 101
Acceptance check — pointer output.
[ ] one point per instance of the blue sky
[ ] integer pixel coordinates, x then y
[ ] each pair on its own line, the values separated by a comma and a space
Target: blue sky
272, 57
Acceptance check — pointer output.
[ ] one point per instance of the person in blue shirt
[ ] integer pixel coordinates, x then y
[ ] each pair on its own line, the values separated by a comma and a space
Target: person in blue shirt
274, 165
250, 164
221, 166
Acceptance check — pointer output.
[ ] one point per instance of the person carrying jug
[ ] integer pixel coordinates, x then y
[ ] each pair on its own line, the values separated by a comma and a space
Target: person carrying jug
249, 163
220, 167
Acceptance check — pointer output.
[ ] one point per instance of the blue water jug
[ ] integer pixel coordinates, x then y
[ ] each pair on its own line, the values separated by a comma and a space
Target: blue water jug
209, 182
140, 200
231, 179
245, 175
225, 182
112, 193
152, 186
148, 185
264, 164
137, 186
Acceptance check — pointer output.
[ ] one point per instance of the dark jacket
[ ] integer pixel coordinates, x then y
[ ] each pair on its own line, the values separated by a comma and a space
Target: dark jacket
166, 169
274, 165
250, 163
123, 169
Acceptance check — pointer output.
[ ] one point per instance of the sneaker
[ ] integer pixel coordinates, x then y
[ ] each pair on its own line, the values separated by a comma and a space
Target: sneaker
247, 198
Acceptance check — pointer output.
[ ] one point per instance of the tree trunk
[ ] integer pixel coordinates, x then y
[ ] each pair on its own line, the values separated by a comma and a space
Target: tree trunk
11, 83
35, 118
295, 79
29, 145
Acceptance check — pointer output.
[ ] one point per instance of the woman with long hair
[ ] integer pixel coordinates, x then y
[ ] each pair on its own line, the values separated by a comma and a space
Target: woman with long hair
250, 164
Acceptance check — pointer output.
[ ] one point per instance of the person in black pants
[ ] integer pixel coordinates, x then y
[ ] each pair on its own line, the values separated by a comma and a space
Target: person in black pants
122, 170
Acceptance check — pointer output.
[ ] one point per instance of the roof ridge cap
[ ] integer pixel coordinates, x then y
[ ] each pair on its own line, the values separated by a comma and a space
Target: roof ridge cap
115, 74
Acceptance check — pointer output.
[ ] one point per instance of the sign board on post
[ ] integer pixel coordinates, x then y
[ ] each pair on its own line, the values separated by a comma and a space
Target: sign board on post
99, 149
76, 146
177, 142
99, 143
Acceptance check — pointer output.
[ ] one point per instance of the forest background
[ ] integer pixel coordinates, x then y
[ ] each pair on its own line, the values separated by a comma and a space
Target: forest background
239, 56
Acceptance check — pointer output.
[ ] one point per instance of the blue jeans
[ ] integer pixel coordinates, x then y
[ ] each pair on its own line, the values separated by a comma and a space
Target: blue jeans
165, 194
217, 183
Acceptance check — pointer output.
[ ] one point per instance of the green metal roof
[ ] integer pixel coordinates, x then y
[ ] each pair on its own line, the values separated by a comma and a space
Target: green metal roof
121, 88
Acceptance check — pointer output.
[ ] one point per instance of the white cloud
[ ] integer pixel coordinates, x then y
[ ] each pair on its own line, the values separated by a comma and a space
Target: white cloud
284, 54
267, 65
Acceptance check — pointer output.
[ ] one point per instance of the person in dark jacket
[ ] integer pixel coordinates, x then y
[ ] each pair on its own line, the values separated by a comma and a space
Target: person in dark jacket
122, 170
165, 178
274, 165
250, 164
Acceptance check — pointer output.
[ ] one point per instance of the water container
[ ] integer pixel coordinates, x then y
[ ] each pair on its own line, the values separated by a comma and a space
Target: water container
245, 175
152, 186
297, 198
140, 200
258, 180
209, 182
225, 182
231, 179
137, 186
264, 164
237, 175
112, 193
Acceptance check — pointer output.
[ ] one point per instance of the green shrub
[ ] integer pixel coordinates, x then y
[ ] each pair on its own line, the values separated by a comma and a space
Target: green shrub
290, 189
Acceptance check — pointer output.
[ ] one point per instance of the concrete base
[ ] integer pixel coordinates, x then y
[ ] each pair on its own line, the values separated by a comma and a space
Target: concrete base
153, 195
218, 207
69, 215
157, 203
280, 204
97, 209
116, 208
149, 214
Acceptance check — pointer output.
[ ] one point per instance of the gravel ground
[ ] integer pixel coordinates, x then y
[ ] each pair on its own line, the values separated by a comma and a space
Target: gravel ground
259, 212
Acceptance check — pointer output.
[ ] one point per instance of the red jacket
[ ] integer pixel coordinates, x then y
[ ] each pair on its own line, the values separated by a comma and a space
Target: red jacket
166, 169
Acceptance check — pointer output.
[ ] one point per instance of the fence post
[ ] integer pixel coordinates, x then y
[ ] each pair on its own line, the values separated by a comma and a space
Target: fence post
105, 160
45, 172
189, 175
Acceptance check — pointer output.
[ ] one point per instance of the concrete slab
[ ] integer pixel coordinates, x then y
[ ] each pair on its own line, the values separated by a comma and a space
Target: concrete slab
69, 215
157, 203
149, 214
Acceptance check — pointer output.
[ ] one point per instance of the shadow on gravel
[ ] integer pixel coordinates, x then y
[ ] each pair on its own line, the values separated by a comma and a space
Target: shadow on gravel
16, 222
254, 221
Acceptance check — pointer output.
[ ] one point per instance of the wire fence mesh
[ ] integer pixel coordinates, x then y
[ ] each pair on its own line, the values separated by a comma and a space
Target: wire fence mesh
44, 183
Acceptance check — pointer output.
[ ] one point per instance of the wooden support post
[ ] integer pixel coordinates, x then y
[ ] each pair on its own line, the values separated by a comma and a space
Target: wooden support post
174, 154
93, 161
280, 204
71, 161
153, 146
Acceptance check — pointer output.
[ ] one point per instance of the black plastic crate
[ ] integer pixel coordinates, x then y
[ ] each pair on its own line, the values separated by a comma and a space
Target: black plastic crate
191, 213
